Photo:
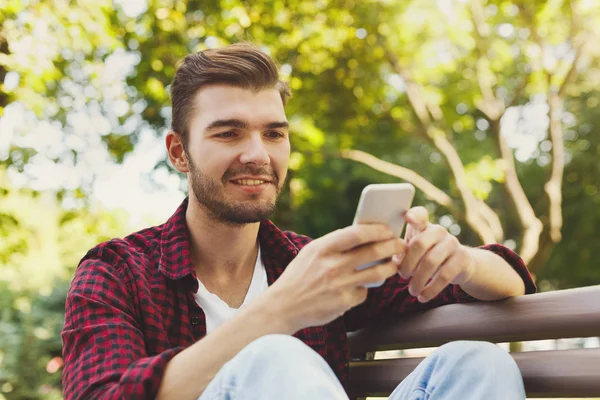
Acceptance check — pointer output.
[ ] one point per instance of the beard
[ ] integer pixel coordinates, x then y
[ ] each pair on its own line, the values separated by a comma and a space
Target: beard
210, 194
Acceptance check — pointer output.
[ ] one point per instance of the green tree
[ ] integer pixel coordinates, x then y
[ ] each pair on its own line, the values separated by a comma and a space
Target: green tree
395, 79
53, 57
572, 263
415, 91
435, 93
40, 245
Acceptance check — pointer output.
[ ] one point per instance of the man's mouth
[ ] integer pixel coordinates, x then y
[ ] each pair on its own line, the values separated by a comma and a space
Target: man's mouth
249, 182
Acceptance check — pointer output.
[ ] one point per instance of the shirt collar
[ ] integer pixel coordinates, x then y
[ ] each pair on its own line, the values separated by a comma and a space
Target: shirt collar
175, 262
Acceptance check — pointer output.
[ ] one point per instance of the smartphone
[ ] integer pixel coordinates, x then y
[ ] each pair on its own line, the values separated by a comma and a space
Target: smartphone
384, 204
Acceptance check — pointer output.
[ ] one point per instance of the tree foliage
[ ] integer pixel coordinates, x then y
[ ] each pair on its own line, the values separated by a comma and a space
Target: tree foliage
489, 107
41, 244
401, 81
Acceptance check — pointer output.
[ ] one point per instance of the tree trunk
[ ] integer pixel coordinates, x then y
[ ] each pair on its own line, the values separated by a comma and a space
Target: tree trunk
3, 72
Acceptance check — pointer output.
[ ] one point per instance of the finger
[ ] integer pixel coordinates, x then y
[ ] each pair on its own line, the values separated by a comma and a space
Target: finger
410, 233
442, 278
418, 246
376, 273
355, 235
418, 218
372, 252
397, 259
429, 265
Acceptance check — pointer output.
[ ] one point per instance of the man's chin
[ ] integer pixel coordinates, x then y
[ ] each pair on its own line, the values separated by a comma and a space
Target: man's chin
243, 213
236, 208
251, 201
240, 195
243, 219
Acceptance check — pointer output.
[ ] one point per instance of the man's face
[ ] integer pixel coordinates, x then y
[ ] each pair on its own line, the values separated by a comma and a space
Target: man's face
238, 151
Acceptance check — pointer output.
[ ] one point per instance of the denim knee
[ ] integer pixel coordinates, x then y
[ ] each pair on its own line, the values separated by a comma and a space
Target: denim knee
278, 350
275, 367
479, 355
464, 370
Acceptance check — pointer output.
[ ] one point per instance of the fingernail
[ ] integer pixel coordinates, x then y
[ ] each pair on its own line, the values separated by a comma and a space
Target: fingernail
422, 299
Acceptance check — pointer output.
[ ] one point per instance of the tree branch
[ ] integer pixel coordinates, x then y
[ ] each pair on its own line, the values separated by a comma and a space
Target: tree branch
532, 226
441, 142
518, 91
554, 185
430, 190
530, 20
494, 109
472, 209
573, 67
412, 88
492, 219
3, 50
490, 105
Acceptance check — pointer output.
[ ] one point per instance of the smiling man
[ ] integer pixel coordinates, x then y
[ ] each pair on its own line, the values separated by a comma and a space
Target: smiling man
218, 303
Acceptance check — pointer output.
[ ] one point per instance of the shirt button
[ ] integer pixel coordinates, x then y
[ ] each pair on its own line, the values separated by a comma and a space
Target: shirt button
195, 320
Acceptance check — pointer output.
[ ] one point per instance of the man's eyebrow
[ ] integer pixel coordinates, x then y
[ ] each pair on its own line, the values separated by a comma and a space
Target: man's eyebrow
227, 123
241, 124
276, 125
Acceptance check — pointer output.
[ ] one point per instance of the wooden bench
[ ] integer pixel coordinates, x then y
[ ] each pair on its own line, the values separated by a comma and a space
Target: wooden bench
569, 313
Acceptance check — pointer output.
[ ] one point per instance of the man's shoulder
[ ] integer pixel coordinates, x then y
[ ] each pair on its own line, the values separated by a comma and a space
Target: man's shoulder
136, 249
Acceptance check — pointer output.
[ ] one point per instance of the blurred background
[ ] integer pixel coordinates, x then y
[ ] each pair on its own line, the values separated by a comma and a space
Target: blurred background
490, 108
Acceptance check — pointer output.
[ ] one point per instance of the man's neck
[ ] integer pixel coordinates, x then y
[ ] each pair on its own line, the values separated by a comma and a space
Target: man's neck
219, 250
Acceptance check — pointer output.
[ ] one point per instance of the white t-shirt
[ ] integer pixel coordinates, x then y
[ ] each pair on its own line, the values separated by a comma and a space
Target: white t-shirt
217, 311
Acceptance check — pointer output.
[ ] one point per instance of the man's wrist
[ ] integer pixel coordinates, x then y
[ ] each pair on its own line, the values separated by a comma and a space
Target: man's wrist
470, 267
267, 310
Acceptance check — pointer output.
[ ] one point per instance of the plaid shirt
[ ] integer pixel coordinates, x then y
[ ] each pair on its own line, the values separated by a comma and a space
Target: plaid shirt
131, 308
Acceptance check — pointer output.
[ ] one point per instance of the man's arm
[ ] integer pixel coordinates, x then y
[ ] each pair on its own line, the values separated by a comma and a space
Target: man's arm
189, 372
320, 284
435, 259
434, 269
104, 347
492, 277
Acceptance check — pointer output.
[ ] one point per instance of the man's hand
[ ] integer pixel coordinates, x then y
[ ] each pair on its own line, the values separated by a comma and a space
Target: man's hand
322, 282
434, 258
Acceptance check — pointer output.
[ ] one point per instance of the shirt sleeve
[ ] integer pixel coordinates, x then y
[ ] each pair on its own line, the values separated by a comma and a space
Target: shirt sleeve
393, 298
103, 347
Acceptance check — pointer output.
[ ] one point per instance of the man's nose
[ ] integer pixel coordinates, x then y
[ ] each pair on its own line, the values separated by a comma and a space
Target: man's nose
255, 151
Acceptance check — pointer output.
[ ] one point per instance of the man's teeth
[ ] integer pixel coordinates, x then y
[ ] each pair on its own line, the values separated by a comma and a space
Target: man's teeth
249, 182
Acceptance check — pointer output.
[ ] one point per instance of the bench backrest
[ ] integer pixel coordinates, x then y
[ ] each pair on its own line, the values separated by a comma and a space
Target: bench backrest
552, 315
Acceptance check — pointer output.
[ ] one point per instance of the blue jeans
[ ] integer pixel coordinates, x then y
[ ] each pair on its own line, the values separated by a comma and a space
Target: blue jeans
282, 367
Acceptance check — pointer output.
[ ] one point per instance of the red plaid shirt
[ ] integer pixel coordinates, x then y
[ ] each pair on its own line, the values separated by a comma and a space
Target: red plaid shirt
131, 308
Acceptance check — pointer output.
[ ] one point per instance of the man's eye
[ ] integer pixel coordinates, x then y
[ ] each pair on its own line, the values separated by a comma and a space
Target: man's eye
275, 134
228, 134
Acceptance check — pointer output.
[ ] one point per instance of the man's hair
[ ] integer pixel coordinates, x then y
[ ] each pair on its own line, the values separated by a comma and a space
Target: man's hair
242, 65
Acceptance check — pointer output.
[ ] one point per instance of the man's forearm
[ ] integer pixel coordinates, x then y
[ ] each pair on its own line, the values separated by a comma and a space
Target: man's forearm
493, 278
189, 373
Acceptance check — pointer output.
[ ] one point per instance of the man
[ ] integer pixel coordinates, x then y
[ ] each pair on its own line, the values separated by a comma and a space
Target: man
205, 305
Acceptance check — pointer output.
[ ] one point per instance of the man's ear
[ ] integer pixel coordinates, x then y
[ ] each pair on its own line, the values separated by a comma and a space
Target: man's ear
176, 152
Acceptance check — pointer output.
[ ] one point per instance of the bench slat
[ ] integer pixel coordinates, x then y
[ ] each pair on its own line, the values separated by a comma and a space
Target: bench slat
551, 315
553, 373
